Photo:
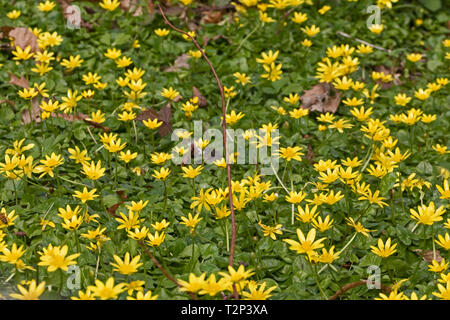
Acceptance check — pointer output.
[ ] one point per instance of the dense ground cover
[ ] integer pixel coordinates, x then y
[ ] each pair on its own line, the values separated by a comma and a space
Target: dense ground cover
355, 111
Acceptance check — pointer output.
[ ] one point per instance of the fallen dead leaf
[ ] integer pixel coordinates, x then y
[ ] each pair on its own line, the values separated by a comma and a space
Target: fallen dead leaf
24, 38
35, 112
180, 62
131, 6
211, 16
319, 98
202, 102
310, 155
22, 82
428, 255
164, 115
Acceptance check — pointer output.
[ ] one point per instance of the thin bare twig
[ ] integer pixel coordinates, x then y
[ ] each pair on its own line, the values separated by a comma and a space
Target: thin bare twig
352, 285
363, 42
164, 272
224, 133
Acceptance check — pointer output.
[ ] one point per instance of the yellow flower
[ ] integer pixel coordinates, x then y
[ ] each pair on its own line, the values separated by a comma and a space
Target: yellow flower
84, 295
126, 266
93, 171
20, 54
236, 276
311, 31
113, 53
85, 195
78, 155
322, 225
127, 156
191, 221
258, 293
324, 9
440, 149
444, 242
241, 78
138, 233
427, 215
162, 32
268, 58
299, 17
109, 5
376, 28
384, 250
271, 231
190, 172
33, 292
291, 153
123, 62
374, 198
328, 256
72, 63
444, 190
55, 258
414, 57
306, 43
438, 267
213, 287
107, 290
28, 93
161, 225
232, 117
97, 117
393, 295
141, 296
306, 245
170, 93
361, 114
72, 224
152, 124
306, 215
358, 227
295, 197
129, 222
422, 94
194, 285
444, 292
14, 14
273, 72
12, 256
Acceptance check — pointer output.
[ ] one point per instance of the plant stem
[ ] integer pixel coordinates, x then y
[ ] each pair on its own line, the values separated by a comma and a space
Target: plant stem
314, 271
15, 191
165, 195
226, 234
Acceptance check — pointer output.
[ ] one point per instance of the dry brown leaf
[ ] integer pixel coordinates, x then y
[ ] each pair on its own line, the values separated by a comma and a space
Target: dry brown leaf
131, 6
22, 82
211, 16
24, 38
4, 31
180, 62
164, 115
202, 102
310, 155
35, 111
319, 98
428, 255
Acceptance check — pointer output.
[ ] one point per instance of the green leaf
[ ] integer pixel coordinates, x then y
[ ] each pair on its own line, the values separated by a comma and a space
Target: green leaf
432, 5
